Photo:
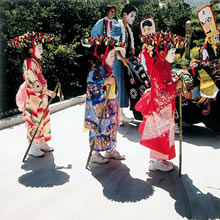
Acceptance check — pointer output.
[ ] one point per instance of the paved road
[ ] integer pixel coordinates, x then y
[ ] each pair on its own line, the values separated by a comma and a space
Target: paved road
59, 187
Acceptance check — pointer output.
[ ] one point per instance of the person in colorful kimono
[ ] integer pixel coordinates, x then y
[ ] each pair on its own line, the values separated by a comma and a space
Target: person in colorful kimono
123, 32
99, 78
104, 26
148, 27
204, 93
32, 97
157, 104
203, 96
210, 69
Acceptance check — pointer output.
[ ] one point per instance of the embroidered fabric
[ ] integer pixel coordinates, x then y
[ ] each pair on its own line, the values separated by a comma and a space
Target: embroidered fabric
157, 106
158, 123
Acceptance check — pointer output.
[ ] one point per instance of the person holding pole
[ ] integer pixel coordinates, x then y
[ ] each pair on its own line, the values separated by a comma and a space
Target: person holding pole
123, 32
157, 104
32, 96
101, 114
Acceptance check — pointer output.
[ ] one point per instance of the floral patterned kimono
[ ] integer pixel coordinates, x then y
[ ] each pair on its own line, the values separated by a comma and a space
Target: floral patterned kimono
146, 60
36, 101
157, 106
96, 94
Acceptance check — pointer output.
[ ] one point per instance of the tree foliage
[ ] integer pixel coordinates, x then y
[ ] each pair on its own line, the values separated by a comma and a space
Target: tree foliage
65, 60
198, 36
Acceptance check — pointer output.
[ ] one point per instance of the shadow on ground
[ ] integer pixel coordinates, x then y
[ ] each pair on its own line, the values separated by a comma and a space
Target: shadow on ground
190, 201
196, 135
200, 136
130, 131
44, 172
118, 184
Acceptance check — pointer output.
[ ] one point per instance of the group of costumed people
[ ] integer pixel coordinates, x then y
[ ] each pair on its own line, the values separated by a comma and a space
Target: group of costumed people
107, 90
202, 78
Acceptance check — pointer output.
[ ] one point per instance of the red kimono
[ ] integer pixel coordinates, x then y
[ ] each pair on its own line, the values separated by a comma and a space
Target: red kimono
157, 106
148, 60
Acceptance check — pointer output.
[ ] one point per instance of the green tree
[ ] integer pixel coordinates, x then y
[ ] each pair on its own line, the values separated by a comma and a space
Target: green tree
198, 36
70, 20
64, 59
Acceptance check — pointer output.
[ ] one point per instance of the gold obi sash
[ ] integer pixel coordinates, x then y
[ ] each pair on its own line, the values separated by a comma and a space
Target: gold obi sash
113, 93
207, 85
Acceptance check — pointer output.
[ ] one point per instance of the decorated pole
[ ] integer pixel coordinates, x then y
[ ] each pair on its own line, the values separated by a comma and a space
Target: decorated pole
97, 129
58, 86
188, 36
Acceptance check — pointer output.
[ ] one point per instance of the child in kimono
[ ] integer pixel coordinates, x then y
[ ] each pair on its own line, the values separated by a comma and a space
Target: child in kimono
99, 80
32, 97
157, 104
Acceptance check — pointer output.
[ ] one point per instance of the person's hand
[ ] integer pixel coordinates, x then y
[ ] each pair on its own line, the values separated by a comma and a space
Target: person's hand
132, 51
109, 80
179, 85
150, 47
125, 62
53, 95
50, 93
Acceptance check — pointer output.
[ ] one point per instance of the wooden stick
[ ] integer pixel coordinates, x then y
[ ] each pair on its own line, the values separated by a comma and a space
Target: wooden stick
97, 129
29, 146
180, 137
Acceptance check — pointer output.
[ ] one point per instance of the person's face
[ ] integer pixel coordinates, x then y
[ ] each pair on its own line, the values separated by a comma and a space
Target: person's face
170, 55
111, 13
207, 24
150, 47
215, 39
148, 30
110, 58
131, 17
39, 51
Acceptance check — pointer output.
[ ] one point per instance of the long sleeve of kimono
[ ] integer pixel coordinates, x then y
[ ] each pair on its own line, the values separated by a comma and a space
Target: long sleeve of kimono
33, 83
116, 32
172, 89
95, 85
34, 86
212, 68
97, 29
169, 88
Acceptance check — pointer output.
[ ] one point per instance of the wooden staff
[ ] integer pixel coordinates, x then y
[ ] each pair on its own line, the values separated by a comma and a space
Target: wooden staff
29, 146
180, 138
184, 88
97, 129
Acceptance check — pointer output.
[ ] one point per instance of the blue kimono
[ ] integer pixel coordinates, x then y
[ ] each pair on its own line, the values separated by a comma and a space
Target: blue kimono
96, 95
119, 69
98, 29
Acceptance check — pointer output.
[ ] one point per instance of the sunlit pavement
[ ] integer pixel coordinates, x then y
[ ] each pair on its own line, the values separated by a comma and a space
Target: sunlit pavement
59, 187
